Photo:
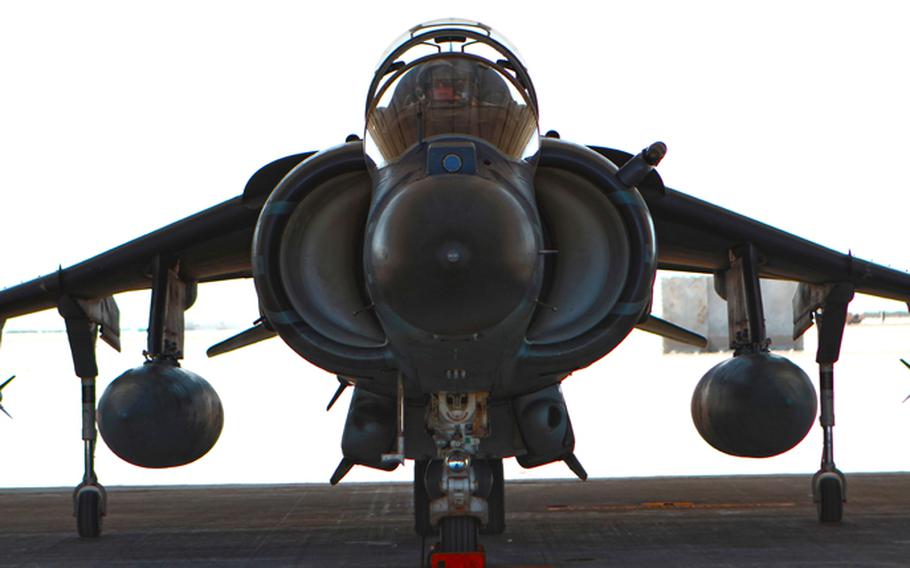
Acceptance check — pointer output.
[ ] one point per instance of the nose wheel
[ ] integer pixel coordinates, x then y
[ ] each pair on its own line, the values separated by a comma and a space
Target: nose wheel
422, 524
459, 534
496, 502
458, 547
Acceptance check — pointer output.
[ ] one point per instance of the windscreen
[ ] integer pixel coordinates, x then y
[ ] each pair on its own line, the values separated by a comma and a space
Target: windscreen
451, 94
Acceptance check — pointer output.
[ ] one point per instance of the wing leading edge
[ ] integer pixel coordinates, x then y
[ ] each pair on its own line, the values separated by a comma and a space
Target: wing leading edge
214, 244
697, 236
211, 245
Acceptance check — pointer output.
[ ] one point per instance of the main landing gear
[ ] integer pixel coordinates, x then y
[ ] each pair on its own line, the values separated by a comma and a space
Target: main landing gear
828, 304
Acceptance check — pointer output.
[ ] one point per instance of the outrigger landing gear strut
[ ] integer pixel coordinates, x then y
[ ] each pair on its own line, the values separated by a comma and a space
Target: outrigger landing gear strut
82, 318
828, 305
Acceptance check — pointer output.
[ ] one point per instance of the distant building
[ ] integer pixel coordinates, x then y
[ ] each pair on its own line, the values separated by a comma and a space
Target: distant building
691, 302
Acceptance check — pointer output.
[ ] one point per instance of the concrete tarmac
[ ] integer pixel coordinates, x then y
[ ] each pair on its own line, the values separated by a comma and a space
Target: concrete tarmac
706, 521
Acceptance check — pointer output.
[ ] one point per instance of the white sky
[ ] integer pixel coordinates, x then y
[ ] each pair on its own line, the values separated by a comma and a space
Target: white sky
117, 118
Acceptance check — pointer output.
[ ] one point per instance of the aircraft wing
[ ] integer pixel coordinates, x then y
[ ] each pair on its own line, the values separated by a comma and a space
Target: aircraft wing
696, 236
212, 245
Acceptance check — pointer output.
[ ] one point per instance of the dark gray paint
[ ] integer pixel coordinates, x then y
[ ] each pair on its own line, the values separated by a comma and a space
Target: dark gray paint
754, 405
160, 415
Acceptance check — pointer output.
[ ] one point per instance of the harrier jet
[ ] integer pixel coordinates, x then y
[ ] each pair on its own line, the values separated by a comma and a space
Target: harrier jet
454, 266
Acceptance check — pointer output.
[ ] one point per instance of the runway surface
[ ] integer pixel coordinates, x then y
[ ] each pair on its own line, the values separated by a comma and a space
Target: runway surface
719, 521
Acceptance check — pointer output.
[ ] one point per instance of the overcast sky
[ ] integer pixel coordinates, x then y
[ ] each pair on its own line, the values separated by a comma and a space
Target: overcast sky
117, 118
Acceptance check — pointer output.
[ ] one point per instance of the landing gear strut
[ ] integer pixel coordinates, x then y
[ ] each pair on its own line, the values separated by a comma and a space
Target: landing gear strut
496, 508
455, 493
89, 497
828, 304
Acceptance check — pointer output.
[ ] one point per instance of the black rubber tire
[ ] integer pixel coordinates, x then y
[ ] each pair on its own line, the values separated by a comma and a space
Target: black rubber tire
496, 502
459, 534
422, 501
88, 514
830, 500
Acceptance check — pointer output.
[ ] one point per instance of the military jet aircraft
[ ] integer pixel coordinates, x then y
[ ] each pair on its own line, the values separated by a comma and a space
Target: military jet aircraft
453, 266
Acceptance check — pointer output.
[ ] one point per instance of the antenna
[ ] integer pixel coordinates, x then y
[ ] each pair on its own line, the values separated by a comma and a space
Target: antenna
6, 382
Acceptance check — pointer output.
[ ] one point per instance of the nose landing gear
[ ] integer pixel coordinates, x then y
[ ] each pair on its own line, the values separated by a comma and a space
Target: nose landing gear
458, 495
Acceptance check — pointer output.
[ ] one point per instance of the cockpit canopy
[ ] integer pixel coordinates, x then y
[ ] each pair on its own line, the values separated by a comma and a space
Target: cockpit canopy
450, 77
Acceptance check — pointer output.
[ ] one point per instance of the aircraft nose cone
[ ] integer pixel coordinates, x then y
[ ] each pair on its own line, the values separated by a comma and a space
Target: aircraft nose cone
456, 256
453, 255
